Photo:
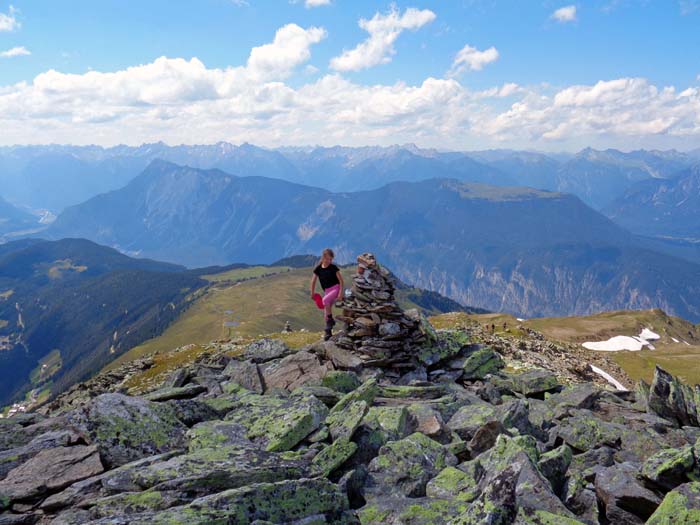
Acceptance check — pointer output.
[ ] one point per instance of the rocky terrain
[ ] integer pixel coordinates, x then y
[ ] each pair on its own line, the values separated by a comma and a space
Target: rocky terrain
480, 429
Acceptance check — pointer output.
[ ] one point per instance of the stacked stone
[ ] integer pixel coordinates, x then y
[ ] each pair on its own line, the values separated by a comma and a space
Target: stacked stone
376, 328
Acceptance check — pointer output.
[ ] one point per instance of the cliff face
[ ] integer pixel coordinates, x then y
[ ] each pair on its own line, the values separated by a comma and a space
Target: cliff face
265, 434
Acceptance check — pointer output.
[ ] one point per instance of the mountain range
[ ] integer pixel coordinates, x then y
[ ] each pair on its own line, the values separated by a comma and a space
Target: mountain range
513, 249
54, 177
13, 219
662, 207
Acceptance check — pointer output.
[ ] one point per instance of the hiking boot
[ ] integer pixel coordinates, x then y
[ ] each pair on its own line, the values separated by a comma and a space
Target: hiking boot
327, 334
331, 321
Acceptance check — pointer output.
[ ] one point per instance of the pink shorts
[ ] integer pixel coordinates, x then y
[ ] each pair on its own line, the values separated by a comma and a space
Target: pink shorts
331, 295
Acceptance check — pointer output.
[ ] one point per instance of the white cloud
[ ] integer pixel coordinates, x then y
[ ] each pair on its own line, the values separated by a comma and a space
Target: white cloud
290, 48
8, 21
184, 101
471, 58
565, 14
15, 52
383, 31
316, 3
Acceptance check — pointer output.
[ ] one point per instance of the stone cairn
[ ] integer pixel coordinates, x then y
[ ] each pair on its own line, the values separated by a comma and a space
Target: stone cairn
376, 328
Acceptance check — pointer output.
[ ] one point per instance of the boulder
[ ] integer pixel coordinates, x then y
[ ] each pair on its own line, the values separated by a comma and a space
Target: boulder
341, 380
671, 467
534, 382
459, 484
246, 374
405, 466
265, 350
332, 457
681, 506
669, 398
343, 423
126, 428
277, 423
280, 502
293, 371
482, 363
206, 471
175, 392
50, 471
14, 457
624, 498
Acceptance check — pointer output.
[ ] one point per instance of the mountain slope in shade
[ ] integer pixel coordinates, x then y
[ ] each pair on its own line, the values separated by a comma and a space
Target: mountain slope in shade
667, 208
518, 250
69, 307
12, 219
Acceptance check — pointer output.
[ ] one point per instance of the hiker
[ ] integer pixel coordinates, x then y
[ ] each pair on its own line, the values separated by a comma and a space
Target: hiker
332, 283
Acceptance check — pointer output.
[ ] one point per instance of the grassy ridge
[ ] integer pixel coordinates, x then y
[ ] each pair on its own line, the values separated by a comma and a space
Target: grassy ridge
254, 301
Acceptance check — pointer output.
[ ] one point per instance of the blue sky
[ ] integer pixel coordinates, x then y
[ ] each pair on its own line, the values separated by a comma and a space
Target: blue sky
541, 74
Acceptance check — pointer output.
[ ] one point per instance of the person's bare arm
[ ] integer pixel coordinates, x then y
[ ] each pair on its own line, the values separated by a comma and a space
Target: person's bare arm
341, 294
313, 284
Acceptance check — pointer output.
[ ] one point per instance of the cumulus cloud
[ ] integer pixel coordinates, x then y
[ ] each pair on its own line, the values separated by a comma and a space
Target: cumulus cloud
383, 31
184, 101
565, 14
15, 52
290, 48
470, 58
8, 21
316, 3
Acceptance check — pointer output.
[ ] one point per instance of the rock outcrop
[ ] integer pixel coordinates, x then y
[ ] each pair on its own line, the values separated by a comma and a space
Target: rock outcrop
331, 434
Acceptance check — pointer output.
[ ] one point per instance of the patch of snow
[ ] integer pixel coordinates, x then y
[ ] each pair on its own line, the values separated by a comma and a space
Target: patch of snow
625, 342
610, 379
675, 340
686, 342
519, 319
649, 335
617, 343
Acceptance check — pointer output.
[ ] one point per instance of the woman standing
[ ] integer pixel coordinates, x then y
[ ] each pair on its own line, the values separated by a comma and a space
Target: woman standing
332, 283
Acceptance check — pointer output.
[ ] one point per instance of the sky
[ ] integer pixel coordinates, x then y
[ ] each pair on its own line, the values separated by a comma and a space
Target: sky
448, 74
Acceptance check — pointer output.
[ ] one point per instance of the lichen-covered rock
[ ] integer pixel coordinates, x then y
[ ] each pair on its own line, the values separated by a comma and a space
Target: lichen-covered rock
533, 382
246, 374
192, 411
341, 380
681, 506
215, 434
343, 423
442, 345
265, 350
405, 466
293, 371
482, 363
50, 471
278, 423
9, 459
328, 396
428, 420
625, 499
391, 422
175, 392
130, 503
207, 470
671, 399
669, 468
585, 431
281, 502
554, 464
468, 419
126, 428
460, 484
409, 511
332, 457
